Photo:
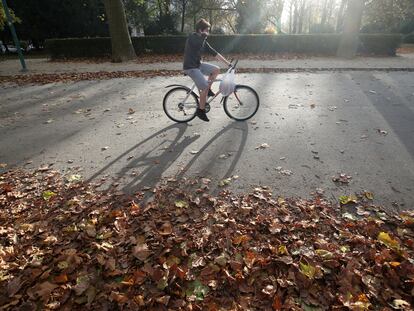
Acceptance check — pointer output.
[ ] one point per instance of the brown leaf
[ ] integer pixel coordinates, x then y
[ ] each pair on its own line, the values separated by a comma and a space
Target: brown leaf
82, 284
60, 279
277, 303
166, 228
14, 286
119, 298
42, 291
141, 251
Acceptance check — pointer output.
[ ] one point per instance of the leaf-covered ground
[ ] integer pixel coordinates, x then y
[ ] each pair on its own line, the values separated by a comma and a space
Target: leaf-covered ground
65, 245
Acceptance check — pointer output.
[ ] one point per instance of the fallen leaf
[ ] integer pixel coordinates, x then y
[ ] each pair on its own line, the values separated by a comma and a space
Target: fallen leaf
386, 239
342, 178
263, 146
166, 228
42, 290
344, 199
82, 284
400, 304
60, 279
369, 195
74, 178
307, 269
277, 303
14, 286
181, 204
286, 172
224, 182
48, 194
141, 251
324, 254
197, 290
348, 216
119, 298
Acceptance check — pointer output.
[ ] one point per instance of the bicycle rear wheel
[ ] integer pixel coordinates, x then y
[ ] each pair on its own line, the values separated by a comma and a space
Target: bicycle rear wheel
242, 104
176, 109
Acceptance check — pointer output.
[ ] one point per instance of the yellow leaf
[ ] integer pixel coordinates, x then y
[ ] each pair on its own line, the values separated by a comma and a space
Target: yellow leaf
348, 199
307, 270
48, 194
324, 254
385, 238
369, 195
281, 201
282, 250
395, 264
181, 204
63, 265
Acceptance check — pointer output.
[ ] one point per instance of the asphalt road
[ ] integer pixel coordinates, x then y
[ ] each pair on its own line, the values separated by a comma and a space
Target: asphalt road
317, 125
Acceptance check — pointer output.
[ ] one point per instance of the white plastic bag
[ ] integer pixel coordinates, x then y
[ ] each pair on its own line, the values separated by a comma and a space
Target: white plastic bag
228, 84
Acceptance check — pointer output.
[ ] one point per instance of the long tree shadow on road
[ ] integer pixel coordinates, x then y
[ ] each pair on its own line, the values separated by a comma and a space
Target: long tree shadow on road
398, 115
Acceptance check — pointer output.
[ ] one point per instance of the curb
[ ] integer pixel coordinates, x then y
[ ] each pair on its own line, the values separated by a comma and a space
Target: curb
46, 78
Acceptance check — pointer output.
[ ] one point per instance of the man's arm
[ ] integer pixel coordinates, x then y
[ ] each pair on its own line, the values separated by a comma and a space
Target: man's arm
216, 54
220, 57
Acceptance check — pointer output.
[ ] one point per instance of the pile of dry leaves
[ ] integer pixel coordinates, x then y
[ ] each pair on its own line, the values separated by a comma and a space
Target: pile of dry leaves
66, 245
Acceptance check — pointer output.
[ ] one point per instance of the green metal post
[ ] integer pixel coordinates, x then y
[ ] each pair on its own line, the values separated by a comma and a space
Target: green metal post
13, 31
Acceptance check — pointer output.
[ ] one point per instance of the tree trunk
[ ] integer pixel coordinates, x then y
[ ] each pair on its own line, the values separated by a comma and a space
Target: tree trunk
301, 17
184, 4
122, 49
352, 24
340, 21
295, 18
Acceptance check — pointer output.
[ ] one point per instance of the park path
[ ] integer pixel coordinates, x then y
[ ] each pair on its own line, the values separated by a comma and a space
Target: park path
316, 126
44, 66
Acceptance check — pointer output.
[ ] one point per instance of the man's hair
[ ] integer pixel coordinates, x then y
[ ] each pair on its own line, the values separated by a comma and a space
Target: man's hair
202, 24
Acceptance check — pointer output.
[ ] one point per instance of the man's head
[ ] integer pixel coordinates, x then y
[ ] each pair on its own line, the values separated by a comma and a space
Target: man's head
202, 26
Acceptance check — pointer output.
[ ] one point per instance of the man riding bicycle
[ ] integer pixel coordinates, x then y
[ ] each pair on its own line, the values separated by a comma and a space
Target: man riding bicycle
195, 45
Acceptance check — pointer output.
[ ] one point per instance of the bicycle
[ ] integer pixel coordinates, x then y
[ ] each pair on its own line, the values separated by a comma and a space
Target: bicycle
181, 102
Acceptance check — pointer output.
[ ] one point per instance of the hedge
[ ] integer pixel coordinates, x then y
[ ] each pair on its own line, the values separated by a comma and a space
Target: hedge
325, 44
409, 38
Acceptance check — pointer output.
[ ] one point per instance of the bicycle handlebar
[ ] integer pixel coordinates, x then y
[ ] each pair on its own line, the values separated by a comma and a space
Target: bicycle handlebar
233, 66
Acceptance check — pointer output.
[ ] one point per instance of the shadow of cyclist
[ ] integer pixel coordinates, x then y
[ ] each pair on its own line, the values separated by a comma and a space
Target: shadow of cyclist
153, 156
238, 132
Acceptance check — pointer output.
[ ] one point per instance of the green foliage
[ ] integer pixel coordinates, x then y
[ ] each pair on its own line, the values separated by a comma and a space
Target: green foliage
78, 47
409, 38
43, 19
321, 28
388, 15
164, 24
326, 44
380, 44
250, 16
3, 18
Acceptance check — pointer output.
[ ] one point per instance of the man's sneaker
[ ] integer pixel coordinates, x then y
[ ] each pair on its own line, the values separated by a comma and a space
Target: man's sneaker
202, 115
211, 93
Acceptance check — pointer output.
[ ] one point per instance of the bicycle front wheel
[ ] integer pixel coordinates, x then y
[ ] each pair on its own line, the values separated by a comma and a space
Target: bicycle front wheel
242, 104
180, 105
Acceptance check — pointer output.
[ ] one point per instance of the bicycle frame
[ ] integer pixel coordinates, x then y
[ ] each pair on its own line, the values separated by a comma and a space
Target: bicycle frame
209, 100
